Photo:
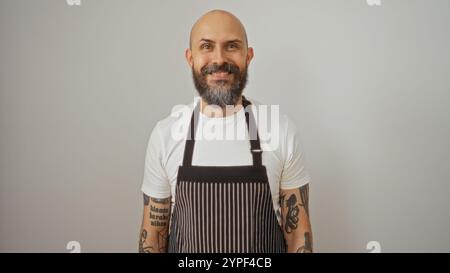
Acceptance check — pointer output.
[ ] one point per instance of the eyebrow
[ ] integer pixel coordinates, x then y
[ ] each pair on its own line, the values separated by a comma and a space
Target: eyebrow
230, 41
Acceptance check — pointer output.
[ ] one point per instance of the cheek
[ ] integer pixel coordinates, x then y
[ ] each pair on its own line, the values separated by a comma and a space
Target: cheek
240, 61
199, 63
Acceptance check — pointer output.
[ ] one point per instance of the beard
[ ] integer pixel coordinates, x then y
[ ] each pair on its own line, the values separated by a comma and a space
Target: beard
223, 92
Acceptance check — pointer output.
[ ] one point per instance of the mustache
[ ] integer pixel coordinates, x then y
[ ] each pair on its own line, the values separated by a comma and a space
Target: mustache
225, 67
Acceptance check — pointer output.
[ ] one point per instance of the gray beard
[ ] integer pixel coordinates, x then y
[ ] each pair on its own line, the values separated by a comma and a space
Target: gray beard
220, 94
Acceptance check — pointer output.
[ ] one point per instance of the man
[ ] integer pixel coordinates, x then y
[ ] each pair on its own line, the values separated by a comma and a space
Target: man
224, 195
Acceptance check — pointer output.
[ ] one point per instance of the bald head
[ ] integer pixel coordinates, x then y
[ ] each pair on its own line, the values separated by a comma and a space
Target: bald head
219, 56
218, 24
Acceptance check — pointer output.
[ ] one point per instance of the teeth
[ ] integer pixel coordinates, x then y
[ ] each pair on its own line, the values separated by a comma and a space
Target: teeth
222, 72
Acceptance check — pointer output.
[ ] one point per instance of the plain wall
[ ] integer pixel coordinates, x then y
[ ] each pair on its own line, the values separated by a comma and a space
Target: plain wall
81, 87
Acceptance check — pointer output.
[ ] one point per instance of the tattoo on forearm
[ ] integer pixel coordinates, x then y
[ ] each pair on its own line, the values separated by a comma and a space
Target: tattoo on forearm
304, 197
163, 201
155, 239
142, 249
159, 246
307, 248
293, 207
282, 198
292, 216
162, 240
159, 217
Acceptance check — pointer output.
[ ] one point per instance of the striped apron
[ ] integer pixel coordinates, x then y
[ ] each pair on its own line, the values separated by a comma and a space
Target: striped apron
224, 209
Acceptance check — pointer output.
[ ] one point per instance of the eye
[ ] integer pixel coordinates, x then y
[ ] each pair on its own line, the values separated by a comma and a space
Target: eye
232, 46
206, 46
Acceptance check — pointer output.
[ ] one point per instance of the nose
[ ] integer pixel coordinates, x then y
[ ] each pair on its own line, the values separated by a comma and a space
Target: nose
219, 56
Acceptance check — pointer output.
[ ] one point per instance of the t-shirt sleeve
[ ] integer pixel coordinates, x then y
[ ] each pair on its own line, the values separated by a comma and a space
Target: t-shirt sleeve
294, 173
155, 184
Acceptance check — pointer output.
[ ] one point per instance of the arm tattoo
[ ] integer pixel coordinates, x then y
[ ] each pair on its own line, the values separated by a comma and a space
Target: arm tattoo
292, 214
155, 240
163, 201
282, 198
307, 248
162, 240
291, 223
143, 249
304, 196
159, 218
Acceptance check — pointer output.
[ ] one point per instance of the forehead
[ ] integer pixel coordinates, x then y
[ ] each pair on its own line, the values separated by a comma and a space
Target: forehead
218, 29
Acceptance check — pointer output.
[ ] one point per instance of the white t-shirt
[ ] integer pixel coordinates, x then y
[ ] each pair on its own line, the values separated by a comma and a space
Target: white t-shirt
282, 151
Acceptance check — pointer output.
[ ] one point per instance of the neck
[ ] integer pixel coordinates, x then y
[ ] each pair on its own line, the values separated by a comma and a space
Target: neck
220, 112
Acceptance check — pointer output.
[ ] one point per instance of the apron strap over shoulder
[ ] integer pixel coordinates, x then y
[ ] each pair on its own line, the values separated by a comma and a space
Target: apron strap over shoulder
190, 141
255, 145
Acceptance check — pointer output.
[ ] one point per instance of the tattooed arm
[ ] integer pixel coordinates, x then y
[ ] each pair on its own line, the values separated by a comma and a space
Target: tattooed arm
155, 225
295, 219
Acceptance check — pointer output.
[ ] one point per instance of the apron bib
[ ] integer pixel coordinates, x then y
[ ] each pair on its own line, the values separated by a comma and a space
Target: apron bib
224, 209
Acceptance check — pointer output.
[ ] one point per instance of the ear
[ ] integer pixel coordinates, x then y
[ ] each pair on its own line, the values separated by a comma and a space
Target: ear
188, 56
250, 55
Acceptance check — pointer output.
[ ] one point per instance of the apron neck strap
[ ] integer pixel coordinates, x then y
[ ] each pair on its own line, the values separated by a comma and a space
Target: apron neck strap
255, 145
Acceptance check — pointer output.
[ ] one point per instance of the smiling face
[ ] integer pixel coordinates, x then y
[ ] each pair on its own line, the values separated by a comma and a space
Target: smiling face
219, 57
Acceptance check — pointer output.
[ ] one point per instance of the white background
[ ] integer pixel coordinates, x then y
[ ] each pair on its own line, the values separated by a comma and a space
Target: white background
81, 87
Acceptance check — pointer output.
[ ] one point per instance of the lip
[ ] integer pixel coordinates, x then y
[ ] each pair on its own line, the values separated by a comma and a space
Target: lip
220, 76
